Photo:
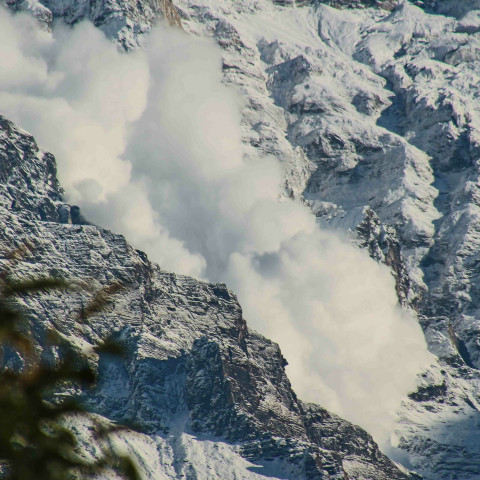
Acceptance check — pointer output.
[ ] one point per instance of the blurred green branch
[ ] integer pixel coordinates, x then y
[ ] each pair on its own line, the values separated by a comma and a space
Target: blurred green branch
36, 403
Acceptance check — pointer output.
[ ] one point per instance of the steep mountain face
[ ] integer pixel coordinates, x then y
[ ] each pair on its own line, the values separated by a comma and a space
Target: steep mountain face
125, 20
375, 114
209, 398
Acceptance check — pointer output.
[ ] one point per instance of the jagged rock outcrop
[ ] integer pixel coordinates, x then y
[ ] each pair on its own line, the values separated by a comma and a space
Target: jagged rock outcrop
448, 7
384, 4
194, 375
125, 20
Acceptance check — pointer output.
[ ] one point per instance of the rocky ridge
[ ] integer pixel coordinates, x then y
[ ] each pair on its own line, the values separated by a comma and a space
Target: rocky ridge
126, 21
209, 398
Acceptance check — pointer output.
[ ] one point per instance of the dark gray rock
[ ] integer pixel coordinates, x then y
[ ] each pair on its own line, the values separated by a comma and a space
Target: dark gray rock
448, 7
28, 182
384, 4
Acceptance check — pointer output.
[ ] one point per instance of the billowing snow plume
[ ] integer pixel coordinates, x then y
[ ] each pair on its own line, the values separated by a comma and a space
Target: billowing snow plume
149, 144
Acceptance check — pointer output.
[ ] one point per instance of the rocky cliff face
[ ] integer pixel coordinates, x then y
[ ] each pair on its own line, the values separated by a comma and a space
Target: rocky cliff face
209, 398
125, 20
379, 112
374, 112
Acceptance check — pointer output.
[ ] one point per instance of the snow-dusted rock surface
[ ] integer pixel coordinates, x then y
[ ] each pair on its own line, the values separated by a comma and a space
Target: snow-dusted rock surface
209, 398
374, 110
125, 20
375, 113
378, 110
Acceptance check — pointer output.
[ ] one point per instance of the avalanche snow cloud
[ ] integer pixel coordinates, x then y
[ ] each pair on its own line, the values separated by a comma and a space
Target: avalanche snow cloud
149, 144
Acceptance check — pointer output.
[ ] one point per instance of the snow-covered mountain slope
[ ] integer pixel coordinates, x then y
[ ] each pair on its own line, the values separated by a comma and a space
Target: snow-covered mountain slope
150, 145
375, 114
208, 397
374, 111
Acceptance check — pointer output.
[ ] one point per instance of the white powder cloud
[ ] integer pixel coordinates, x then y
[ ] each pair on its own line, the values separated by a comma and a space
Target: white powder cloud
81, 107
149, 144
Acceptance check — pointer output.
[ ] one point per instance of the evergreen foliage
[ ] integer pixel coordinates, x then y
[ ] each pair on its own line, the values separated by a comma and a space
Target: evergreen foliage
36, 400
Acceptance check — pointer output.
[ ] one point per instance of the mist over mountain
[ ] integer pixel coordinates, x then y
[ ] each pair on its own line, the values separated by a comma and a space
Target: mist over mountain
320, 158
